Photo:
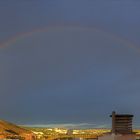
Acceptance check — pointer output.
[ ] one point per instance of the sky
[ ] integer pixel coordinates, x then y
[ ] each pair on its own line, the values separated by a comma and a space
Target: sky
69, 62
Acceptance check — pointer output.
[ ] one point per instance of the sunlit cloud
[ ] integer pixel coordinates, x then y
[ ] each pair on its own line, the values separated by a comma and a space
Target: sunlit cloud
70, 125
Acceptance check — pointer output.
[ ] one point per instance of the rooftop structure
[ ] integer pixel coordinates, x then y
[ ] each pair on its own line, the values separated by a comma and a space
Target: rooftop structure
121, 123
121, 128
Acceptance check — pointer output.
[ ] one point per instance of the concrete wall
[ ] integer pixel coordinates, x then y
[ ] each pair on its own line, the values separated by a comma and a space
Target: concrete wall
117, 137
106, 137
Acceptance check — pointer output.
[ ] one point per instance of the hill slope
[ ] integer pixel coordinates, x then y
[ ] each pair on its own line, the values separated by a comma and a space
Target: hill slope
10, 128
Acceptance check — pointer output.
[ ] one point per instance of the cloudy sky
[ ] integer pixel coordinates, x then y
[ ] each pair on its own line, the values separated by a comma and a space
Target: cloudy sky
69, 61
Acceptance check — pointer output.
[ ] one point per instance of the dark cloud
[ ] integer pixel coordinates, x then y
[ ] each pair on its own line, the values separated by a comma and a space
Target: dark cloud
69, 74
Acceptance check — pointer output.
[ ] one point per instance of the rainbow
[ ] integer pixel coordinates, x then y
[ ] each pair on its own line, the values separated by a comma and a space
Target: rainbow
22, 35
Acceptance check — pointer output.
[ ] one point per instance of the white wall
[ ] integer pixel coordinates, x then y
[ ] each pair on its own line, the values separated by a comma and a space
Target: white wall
117, 137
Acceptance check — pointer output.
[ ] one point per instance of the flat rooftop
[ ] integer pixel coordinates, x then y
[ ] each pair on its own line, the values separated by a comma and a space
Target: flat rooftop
123, 115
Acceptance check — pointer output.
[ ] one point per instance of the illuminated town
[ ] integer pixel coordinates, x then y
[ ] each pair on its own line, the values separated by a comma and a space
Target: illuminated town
121, 130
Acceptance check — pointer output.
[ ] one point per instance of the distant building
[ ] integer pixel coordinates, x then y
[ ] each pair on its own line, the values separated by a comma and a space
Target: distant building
121, 128
70, 132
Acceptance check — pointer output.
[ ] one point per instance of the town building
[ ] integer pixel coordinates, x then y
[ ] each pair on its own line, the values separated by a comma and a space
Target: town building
121, 128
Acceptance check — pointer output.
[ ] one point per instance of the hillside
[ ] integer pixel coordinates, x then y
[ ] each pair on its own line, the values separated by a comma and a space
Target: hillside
9, 128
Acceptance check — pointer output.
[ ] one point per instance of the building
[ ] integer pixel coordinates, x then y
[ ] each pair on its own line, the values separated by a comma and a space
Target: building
121, 128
